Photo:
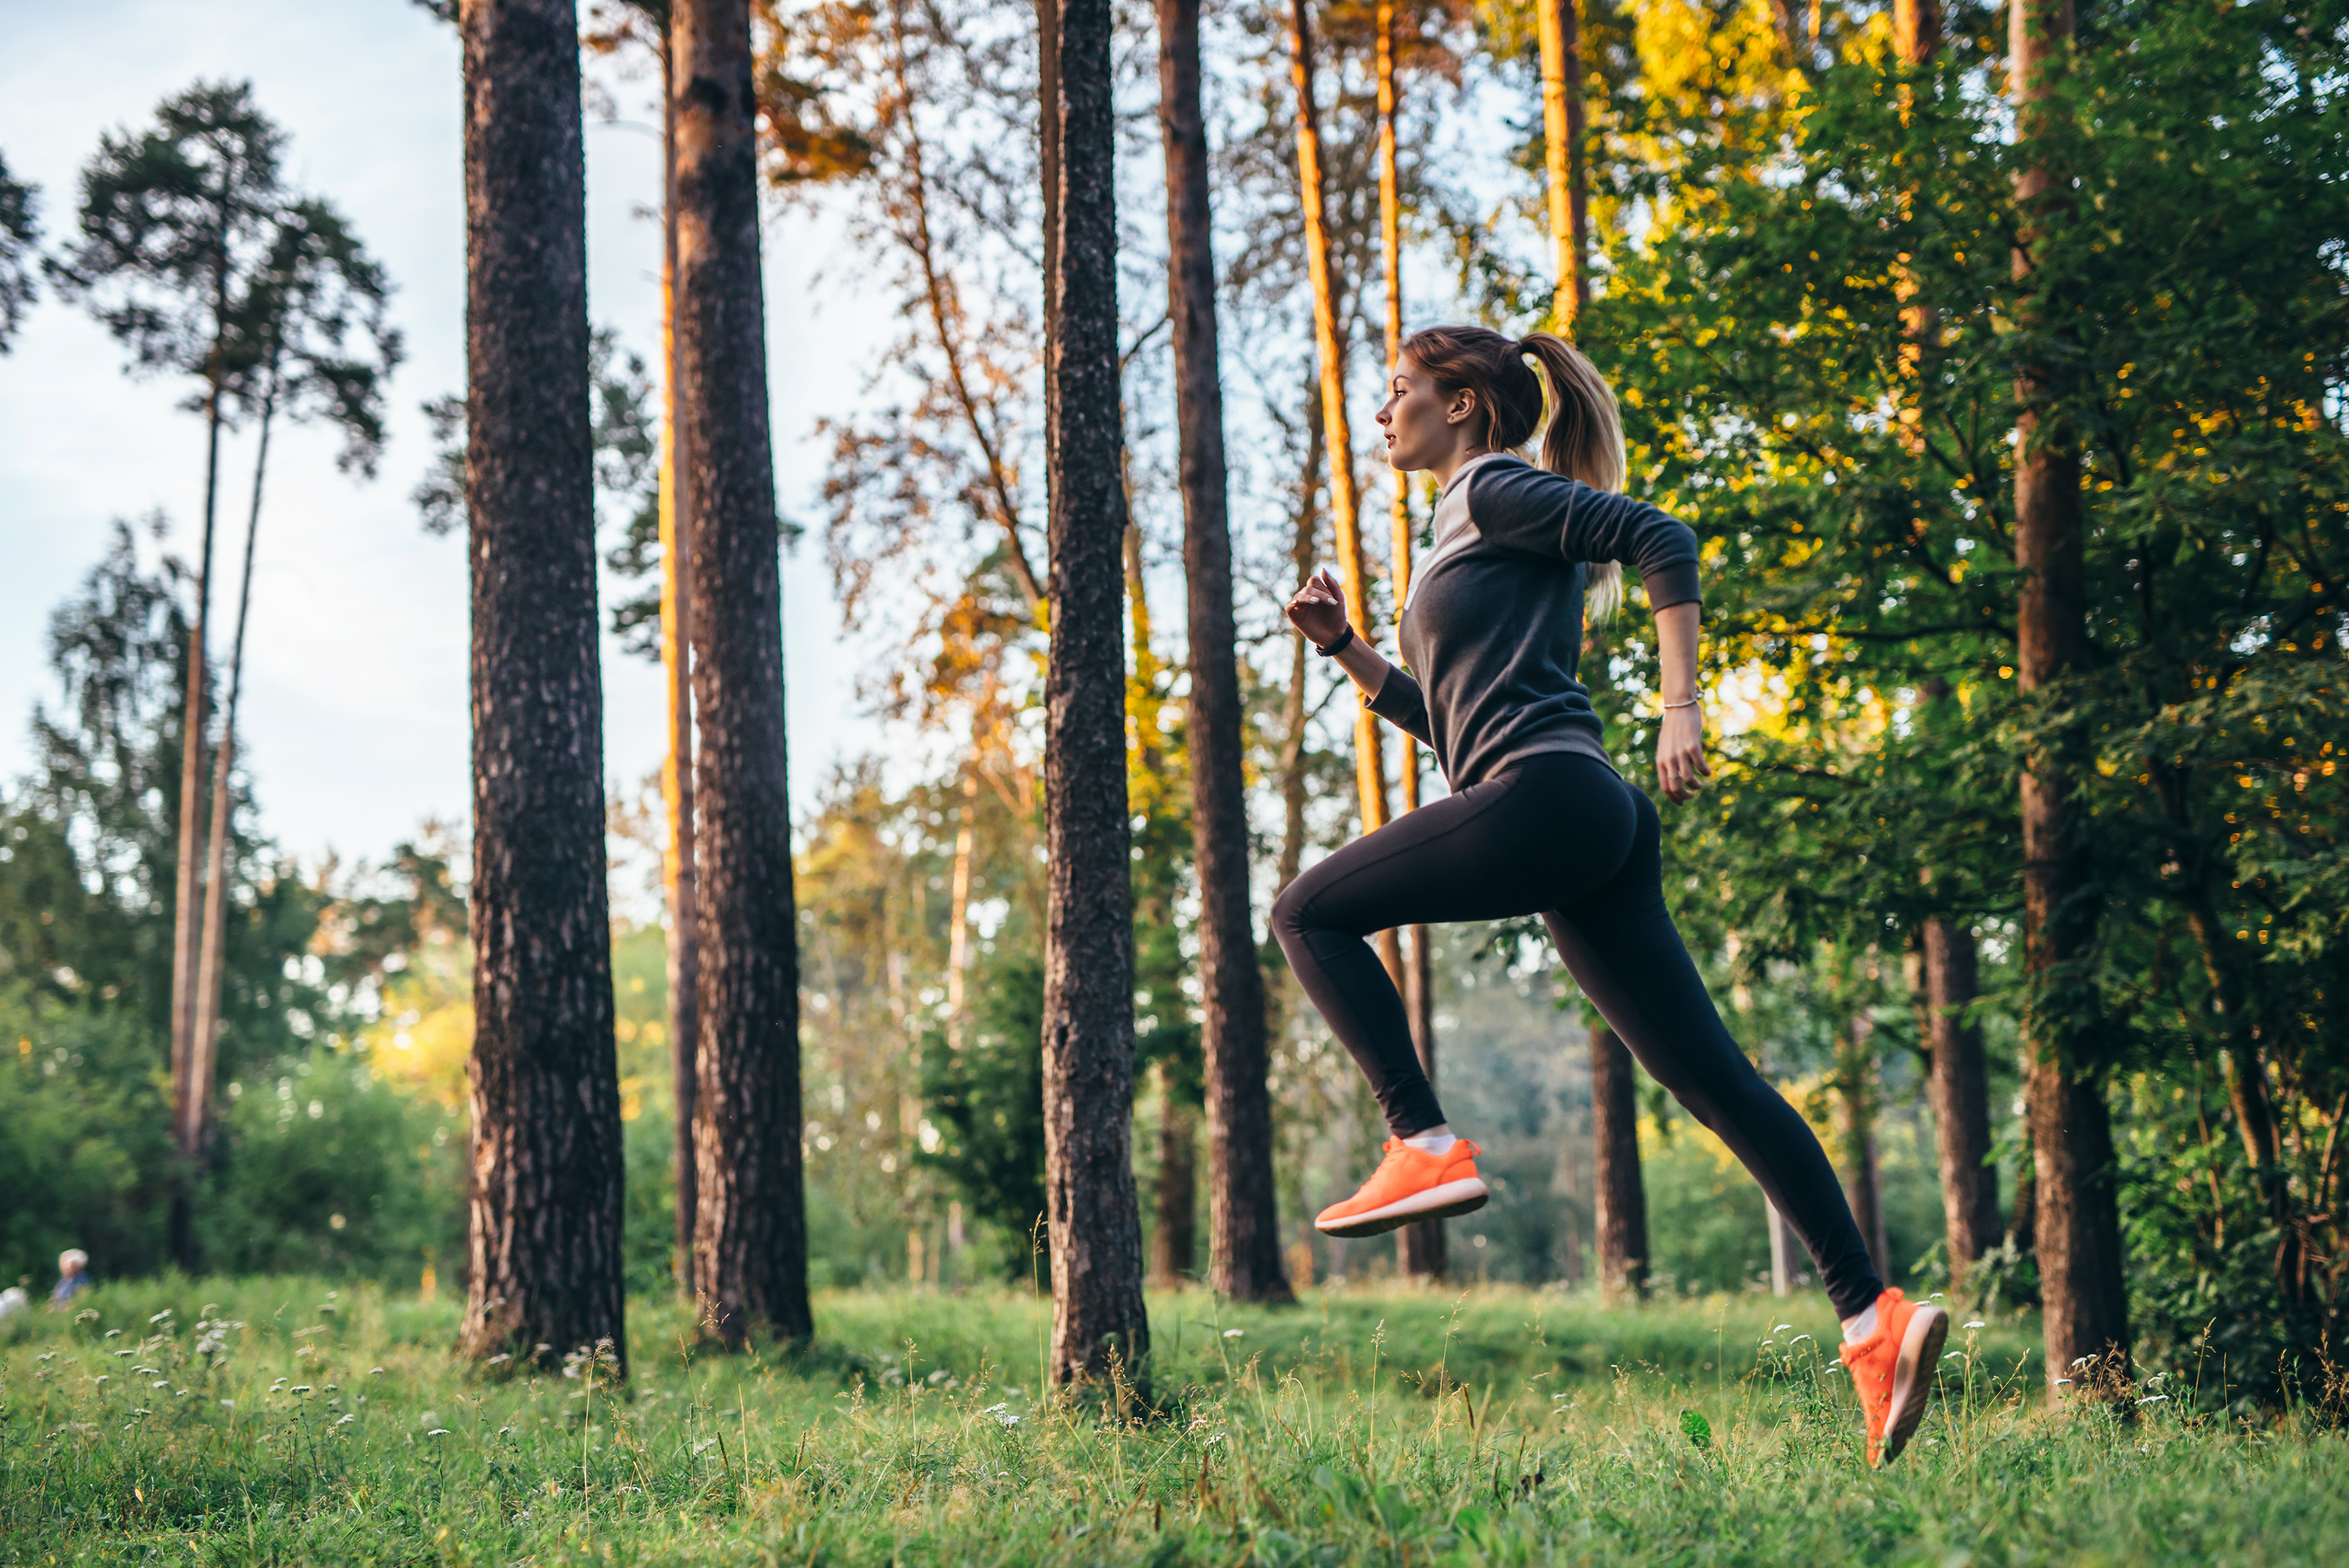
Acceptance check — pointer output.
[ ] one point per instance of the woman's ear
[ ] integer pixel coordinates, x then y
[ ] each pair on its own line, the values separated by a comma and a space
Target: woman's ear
1464, 403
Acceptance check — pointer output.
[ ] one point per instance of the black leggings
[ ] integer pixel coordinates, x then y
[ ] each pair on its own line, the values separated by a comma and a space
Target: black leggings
1560, 835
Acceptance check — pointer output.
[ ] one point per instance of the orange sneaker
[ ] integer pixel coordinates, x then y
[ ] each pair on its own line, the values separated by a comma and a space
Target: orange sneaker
1893, 1369
1410, 1185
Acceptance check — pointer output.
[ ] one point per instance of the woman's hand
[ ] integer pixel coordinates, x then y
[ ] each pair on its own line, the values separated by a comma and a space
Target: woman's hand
1681, 766
1318, 610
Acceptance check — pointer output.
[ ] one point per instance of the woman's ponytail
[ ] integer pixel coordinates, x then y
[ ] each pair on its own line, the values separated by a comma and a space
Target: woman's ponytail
1584, 440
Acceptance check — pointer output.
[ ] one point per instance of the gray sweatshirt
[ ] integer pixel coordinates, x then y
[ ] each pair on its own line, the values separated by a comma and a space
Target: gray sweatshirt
1493, 628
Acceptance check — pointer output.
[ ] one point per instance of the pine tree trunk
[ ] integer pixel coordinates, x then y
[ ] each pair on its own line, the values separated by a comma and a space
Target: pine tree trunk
677, 682
1419, 1248
1620, 1200
1560, 28
1961, 1097
188, 888
1244, 1234
1174, 1243
2083, 1295
1101, 1332
211, 967
1306, 530
1855, 1084
1345, 500
1916, 29
544, 1276
751, 1225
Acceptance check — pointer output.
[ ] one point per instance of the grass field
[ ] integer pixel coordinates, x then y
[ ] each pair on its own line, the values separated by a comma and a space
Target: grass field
275, 1421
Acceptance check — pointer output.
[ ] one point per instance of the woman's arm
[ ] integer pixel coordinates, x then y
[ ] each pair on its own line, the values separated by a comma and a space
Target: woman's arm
1318, 611
1681, 766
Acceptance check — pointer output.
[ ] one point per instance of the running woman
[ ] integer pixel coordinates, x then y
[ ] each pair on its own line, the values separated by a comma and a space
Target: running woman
1538, 821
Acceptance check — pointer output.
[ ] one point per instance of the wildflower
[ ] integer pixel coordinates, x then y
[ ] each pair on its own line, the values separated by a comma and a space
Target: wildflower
1782, 1329
438, 1432
1977, 1324
1234, 1332
704, 1446
159, 1316
1004, 1415
2155, 1399
344, 1420
2062, 1382
230, 1403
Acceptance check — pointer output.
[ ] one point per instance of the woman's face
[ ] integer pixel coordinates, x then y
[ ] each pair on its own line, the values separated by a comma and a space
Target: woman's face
1423, 425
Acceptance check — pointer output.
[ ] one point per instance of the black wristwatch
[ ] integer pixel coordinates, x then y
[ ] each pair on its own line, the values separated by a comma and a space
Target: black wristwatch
1338, 647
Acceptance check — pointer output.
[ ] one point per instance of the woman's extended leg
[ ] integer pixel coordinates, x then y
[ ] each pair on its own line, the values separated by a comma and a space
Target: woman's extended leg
1548, 829
1620, 942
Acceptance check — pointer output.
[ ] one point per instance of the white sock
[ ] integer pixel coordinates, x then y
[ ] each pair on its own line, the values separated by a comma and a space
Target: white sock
1438, 1140
1856, 1329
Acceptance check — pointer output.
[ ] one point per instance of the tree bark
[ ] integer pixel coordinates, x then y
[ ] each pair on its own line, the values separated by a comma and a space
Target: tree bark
1916, 29
1959, 1091
1562, 124
1101, 1332
677, 682
1620, 1200
186, 904
1173, 1245
1244, 1234
1419, 1248
546, 1250
1855, 1084
210, 976
749, 1266
1293, 713
1345, 501
2084, 1302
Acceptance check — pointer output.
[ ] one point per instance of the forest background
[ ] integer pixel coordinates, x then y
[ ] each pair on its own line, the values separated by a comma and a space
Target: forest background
1756, 182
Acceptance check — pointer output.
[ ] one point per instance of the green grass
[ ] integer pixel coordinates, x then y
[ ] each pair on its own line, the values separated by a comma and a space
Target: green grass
1396, 1427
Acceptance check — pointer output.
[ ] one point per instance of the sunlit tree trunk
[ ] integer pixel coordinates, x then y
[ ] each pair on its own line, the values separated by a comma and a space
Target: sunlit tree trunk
1419, 1248
187, 909
545, 1252
1304, 532
1562, 124
1244, 1237
1619, 1201
751, 1223
1345, 501
211, 973
676, 679
2085, 1301
1100, 1332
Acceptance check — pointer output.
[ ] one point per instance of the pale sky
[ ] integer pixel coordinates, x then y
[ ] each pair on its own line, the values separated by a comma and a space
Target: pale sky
354, 712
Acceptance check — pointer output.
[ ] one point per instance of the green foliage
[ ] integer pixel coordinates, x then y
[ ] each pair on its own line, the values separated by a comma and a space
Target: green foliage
1821, 352
1368, 1428
20, 233
988, 1100
173, 223
315, 1166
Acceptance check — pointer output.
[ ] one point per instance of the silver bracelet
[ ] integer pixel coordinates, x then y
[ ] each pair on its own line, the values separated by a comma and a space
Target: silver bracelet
1690, 703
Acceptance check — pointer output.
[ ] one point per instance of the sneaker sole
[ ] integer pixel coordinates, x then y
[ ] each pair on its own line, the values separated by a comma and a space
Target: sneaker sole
1441, 1202
1912, 1375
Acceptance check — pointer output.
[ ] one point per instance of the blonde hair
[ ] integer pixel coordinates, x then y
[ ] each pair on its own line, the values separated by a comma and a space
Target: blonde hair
1583, 436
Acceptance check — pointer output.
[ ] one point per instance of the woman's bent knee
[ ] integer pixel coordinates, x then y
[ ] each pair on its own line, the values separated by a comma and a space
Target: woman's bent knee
1289, 909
